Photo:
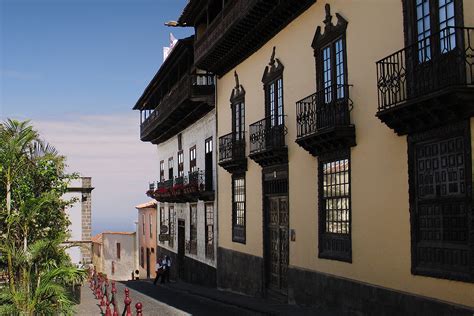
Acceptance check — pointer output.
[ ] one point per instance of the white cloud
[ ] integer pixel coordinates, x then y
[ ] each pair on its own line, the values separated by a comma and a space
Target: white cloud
108, 149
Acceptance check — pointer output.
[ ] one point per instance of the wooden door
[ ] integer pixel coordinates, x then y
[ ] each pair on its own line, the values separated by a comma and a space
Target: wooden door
277, 243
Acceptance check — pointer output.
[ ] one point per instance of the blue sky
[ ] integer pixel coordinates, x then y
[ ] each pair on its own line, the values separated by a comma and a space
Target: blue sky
76, 68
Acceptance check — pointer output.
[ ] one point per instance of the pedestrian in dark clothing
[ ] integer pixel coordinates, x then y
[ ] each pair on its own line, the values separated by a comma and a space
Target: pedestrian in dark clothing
167, 267
159, 272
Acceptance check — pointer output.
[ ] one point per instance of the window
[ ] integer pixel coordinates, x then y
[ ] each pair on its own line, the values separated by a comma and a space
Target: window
274, 91
142, 258
209, 231
162, 218
193, 229
192, 159
180, 142
434, 22
333, 65
330, 53
143, 224
170, 168
238, 208
172, 219
150, 225
180, 164
440, 176
335, 207
118, 250
208, 164
238, 122
162, 171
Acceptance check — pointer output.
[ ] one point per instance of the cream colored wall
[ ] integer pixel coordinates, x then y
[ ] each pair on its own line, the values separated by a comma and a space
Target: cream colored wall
379, 181
468, 6
124, 265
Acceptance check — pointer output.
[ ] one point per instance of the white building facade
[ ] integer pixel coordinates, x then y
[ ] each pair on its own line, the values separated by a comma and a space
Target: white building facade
177, 114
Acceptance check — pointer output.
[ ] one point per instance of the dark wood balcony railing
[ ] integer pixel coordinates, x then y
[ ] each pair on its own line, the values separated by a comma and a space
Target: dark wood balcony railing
324, 109
189, 87
433, 67
240, 28
267, 141
232, 12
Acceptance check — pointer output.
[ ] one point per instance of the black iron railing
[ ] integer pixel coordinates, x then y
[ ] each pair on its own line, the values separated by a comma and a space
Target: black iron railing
441, 60
326, 108
232, 146
267, 134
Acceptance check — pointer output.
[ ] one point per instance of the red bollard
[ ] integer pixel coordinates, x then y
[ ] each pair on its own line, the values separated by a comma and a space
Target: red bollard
108, 312
114, 290
128, 302
139, 306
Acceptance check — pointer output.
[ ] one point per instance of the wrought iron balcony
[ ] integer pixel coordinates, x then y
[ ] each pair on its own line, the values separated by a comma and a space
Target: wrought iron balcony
232, 152
239, 29
267, 141
428, 83
187, 101
197, 185
323, 120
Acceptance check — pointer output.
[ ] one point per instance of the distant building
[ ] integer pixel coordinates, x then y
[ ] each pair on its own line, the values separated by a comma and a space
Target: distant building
146, 235
80, 216
114, 254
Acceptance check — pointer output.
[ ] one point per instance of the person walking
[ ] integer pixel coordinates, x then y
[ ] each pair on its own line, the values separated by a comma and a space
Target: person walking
167, 269
159, 271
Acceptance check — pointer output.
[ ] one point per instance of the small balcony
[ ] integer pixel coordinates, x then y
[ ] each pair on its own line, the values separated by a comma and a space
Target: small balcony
187, 101
429, 83
232, 152
323, 121
267, 141
197, 185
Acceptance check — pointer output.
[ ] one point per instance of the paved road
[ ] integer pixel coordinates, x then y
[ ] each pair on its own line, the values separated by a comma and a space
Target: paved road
160, 300
180, 302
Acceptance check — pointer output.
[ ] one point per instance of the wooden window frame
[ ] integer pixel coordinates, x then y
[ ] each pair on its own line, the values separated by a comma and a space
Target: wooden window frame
209, 245
239, 229
410, 18
170, 168
418, 267
162, 171
118, 246
328, 239
192, 159
171, 225
180, 163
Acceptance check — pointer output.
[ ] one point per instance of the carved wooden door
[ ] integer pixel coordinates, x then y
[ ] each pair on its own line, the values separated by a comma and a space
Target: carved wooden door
277, 232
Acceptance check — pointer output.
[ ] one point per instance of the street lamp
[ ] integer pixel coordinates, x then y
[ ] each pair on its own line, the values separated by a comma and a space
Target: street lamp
174, 24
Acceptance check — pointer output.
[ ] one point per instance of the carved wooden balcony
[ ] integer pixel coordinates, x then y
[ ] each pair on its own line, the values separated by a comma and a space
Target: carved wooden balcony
188, 100
323, 121
232, 152
267, 141
429, 83
239, 29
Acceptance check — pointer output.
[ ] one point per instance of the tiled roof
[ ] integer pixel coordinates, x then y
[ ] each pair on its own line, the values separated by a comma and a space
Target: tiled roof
151, 204
97, 239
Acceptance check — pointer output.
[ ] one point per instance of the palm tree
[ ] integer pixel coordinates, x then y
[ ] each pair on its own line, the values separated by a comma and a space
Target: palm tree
39, 270
45, 276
